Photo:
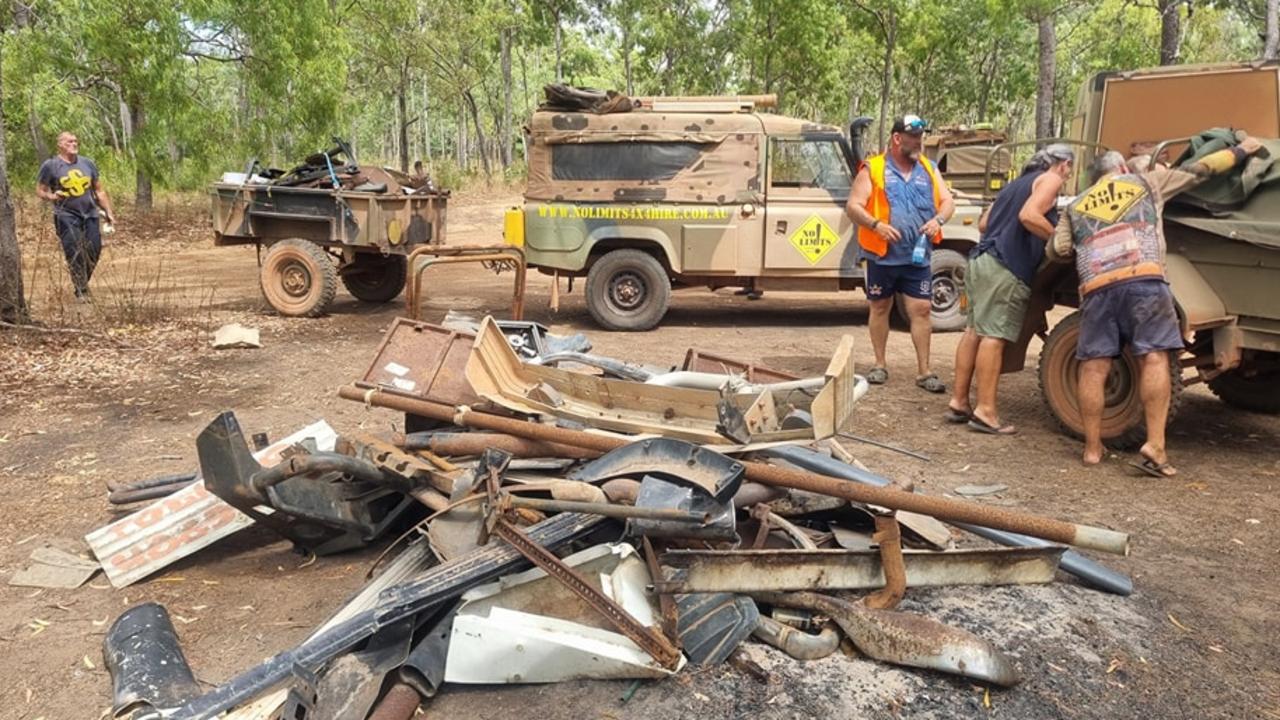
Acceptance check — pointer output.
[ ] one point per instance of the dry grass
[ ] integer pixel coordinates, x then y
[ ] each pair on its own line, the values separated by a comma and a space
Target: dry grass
143, 321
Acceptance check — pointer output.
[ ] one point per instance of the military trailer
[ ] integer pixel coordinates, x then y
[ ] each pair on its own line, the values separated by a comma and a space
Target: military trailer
1223, 246
325, 220
973, 159
713, 192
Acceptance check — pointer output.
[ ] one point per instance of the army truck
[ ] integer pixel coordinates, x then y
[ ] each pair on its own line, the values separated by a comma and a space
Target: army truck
706, 191
1223, 258
327, 219
974, 159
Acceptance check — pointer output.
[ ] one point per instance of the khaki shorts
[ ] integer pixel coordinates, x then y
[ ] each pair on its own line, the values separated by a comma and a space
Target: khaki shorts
997, 299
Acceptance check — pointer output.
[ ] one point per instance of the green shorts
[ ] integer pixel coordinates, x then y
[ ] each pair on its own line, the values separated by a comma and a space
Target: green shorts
997, 299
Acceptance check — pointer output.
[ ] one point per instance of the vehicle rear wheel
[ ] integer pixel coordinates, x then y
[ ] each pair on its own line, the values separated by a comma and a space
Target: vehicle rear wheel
950, 311
298, 278
1254, 386
375, 278
628, 290
1123, 426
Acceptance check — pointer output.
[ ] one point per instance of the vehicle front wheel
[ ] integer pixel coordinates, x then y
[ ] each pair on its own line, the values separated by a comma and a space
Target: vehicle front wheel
1253, 386
628, 290
298, 278
1123, 425
949, 311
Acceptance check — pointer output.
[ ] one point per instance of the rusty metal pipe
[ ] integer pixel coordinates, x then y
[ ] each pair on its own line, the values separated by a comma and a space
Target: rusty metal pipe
1085, 536
400, 703
449, 444
609, 510
797, 643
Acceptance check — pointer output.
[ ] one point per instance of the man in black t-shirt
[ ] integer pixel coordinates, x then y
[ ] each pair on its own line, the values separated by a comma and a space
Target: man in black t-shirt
71, 183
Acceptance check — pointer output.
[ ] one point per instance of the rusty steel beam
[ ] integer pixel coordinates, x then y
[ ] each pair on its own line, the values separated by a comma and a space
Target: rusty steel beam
785, 570
1068, 533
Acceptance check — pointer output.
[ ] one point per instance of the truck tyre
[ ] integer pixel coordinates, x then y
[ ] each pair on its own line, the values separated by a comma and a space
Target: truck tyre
1123, 427
298, 278
375, 278
949, 312
628, 290
1251, 388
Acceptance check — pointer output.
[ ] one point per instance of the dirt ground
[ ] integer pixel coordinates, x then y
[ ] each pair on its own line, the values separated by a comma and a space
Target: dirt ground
1196, 640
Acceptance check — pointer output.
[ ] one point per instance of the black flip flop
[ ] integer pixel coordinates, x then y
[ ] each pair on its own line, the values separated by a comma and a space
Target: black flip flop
955, 417
1153, 468
978, 425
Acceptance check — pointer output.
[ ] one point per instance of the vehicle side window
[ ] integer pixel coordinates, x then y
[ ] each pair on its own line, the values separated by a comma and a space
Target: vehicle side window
623, 160
809, 164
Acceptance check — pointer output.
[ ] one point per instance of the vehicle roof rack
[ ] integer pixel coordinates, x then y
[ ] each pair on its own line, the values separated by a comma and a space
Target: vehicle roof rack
707, 103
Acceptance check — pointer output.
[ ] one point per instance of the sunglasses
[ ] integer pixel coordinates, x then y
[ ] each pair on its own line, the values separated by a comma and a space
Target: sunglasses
912, 123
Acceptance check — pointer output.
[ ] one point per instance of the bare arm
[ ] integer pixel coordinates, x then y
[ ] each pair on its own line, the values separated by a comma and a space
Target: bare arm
44, 193
856, 208
1044, 195
104, 200
946, 208
982, 220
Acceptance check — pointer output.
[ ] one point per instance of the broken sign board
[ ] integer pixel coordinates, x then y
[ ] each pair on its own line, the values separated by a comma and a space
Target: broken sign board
178, 525
54, 568
496, 374
529, 628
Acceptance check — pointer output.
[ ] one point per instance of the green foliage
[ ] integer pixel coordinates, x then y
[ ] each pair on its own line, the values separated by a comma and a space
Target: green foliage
216, 82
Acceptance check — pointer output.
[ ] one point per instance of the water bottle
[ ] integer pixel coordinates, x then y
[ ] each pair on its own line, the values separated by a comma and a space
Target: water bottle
918, 254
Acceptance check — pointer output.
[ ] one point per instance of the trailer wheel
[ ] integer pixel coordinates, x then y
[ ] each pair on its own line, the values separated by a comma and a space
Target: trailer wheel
298, 278
1123, 426
375, 278
628, 290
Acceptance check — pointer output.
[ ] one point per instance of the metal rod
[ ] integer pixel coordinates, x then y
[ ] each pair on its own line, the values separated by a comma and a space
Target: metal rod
886, 446
1092, 573
608, 509
942, 508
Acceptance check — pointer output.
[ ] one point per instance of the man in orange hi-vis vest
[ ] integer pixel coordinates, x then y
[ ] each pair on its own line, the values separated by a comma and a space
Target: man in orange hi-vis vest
900, 204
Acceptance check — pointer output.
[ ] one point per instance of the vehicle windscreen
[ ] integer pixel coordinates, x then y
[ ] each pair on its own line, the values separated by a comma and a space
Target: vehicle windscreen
802, 163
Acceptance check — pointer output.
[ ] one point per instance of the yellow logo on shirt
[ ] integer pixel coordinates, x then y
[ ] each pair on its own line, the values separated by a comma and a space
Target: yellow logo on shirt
1108, 201
75, 182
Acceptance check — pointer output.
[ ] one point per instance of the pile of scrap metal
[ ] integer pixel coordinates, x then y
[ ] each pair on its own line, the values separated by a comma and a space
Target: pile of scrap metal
612, 524
333, 168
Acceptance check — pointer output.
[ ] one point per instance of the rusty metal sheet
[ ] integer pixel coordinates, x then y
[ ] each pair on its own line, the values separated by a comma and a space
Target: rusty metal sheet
785, 570
424, 361
176, 526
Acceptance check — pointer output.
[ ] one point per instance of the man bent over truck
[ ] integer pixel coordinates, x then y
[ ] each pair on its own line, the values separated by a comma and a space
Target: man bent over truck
1114, 230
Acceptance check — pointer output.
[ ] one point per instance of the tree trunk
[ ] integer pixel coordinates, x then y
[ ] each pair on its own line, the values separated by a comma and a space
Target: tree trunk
559, 49
890, 22
1272, 44
37, 134
504, 128
1170, 31
475, 121
988, 78
13, 304
426, 123
402, 117
1044, 89
626, 55
138, 119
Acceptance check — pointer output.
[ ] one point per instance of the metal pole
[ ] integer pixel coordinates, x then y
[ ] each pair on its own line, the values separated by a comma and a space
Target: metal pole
942, 508
608, 509
1093, 573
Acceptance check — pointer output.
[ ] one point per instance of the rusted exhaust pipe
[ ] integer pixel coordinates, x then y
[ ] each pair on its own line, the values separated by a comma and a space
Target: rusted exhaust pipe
1085, 536
797, 643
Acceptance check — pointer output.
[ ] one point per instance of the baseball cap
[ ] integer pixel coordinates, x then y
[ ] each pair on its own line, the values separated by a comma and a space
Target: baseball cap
910, 124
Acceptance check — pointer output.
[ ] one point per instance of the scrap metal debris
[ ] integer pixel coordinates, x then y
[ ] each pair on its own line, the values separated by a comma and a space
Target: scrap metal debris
694, 511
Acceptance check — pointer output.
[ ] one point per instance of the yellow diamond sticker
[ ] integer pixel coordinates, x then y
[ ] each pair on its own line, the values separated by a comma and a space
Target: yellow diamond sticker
1107, 201
814, 239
